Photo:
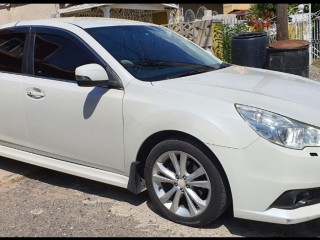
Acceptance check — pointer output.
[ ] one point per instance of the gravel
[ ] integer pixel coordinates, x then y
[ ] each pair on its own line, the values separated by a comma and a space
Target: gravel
314, 73
47, 203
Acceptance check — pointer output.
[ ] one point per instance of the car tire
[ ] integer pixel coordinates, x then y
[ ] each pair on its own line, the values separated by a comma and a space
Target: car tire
184, 184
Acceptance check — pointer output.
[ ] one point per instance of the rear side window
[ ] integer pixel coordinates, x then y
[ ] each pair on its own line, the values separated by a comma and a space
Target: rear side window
11, 52
58, 57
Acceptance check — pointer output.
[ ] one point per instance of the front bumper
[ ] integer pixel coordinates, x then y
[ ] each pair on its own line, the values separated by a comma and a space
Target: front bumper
260, 173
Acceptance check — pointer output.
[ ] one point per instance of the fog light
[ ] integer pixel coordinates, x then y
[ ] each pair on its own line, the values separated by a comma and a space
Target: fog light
292, 199
301, 199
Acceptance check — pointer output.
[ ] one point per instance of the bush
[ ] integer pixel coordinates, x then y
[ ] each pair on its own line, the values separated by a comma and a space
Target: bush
223, 34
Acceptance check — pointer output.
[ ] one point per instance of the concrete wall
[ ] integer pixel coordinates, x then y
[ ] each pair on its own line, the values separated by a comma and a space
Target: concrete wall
194, 7
20, 12
199, 32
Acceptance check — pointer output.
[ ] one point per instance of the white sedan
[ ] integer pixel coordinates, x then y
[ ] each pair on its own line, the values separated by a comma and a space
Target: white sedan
138, 106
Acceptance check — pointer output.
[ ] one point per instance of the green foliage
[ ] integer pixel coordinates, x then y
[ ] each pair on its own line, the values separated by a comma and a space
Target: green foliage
223, 34
293, 8
265, 11
315, 7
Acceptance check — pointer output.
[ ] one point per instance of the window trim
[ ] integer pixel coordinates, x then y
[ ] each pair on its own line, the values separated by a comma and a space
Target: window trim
34, 30
14, 30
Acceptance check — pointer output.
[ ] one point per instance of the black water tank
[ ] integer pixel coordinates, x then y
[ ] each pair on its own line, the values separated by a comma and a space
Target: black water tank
249, 49
289, 56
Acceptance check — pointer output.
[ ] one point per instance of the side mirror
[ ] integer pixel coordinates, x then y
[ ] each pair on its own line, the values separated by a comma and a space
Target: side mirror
91, 75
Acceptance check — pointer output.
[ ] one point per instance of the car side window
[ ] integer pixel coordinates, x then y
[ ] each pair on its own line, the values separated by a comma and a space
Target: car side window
58, 57
11, 52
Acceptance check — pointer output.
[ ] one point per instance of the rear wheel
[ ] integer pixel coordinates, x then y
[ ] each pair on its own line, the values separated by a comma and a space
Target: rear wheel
184, 184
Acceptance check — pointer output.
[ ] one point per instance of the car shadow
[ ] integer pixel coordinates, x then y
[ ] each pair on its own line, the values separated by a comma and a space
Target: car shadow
64, 180
92, 101
16, 167
248, 228
235, 226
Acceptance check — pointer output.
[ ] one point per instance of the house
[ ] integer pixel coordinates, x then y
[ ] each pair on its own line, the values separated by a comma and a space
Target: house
18, 12
156, 13
146, 12
232, 7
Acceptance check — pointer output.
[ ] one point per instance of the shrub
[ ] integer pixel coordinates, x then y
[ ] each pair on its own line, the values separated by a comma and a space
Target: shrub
223, 34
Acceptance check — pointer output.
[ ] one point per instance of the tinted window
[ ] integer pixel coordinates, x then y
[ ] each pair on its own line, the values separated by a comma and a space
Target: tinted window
153, 53
58, 57
11, 52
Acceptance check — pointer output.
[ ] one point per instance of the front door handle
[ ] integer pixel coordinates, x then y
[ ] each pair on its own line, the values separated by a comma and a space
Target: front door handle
35, 93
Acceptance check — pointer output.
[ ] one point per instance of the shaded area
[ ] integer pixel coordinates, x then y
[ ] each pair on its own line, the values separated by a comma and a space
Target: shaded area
92, 101
11, 169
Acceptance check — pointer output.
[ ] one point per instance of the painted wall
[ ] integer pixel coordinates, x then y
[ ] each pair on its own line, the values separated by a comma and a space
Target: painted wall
228, 7
19, 12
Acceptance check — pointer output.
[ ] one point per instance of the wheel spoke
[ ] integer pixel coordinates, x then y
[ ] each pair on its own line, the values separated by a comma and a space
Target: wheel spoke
161, 179
201, 184
183, 163
200, 171
194, 196
162, 169
175, 163
191, 207
165, 197
175, 203
177, 176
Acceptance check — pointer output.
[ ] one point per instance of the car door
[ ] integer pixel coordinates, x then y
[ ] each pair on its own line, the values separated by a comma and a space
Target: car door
77, 124
13, 129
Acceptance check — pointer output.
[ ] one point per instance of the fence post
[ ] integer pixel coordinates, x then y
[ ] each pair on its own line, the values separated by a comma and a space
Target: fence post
310, 34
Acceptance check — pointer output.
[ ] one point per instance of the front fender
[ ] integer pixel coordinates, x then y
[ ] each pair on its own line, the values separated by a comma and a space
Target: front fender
148, 110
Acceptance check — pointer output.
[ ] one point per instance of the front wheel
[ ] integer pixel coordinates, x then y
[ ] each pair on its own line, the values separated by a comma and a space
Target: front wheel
184, 184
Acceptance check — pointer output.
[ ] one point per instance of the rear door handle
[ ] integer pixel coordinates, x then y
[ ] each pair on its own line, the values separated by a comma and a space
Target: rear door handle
35, 93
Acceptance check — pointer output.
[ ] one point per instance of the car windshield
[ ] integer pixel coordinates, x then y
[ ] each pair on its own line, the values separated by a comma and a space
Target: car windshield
153, 53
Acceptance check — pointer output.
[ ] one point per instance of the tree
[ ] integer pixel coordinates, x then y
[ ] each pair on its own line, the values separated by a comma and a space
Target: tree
282, 22
265, 11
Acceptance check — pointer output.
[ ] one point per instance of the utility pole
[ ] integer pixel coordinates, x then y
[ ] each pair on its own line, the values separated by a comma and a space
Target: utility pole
282, 22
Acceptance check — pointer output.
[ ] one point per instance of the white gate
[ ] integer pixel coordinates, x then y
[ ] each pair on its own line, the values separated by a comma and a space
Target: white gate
307, 27
316, 35
230, 19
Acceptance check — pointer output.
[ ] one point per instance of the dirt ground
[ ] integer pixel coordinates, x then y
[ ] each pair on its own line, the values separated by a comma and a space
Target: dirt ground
46, 203
314, 70
316, 63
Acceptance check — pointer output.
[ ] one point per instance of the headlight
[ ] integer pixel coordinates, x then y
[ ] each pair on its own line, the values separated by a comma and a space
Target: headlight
280, 130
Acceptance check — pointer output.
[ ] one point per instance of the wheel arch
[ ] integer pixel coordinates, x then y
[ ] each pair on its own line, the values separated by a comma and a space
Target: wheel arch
136, 178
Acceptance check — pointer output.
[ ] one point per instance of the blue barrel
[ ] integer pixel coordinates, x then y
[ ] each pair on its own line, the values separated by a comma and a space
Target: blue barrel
249, 49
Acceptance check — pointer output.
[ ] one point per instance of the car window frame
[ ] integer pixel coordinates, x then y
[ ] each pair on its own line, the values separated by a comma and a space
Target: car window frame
14, 30
34, 30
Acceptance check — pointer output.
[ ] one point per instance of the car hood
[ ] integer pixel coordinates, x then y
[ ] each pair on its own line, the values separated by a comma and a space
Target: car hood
271, 90
274, 84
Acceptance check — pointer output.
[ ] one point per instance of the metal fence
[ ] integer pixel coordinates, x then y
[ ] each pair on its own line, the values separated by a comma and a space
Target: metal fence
316, 35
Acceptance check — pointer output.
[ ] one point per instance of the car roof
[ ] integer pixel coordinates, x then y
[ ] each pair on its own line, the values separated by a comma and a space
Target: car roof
83, 22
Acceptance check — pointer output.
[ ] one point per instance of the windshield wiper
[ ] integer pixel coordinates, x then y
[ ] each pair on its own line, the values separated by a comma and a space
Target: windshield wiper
173, 64
201, 69
189, 73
